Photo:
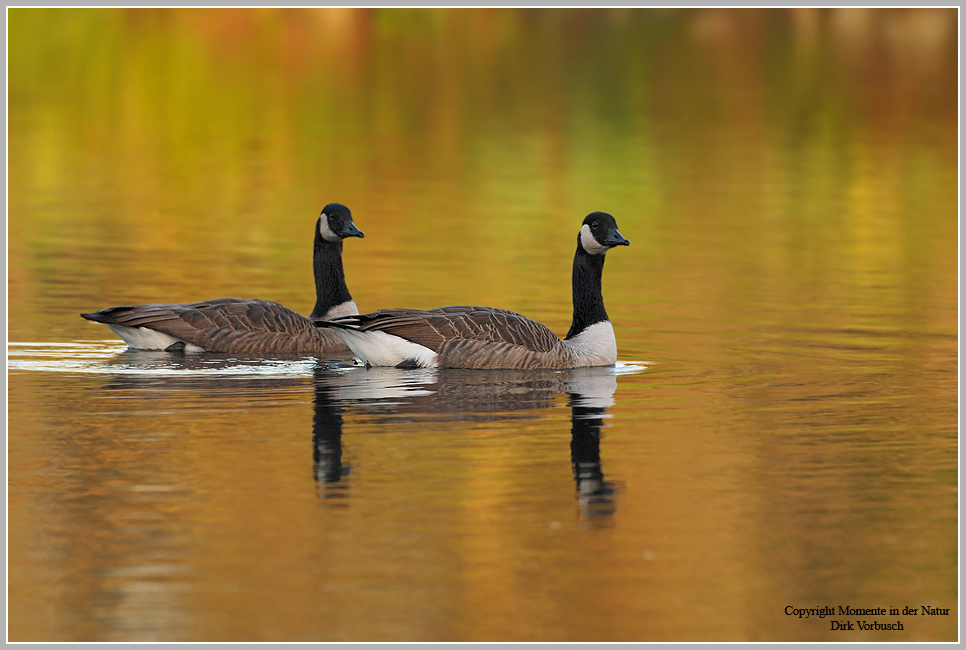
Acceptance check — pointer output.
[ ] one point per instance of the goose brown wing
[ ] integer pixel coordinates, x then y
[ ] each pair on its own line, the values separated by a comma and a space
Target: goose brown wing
434, 328
227, 325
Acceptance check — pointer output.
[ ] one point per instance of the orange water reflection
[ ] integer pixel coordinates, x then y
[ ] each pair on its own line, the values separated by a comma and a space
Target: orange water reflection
788, 177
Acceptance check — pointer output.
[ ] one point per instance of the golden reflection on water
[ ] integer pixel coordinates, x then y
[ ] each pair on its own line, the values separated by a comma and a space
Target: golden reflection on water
788, 179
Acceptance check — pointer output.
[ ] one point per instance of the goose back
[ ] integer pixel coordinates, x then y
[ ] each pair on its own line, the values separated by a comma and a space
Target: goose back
232, 325
463, 336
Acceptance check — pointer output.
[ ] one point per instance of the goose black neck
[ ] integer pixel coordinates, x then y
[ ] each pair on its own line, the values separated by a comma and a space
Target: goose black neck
588, 301
330, 287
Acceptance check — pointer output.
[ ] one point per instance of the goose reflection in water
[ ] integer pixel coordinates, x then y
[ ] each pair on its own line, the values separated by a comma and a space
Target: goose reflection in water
587, 413
466, 395
390, 396
327, 465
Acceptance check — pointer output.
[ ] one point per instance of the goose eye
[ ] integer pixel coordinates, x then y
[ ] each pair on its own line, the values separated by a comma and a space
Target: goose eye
593, 225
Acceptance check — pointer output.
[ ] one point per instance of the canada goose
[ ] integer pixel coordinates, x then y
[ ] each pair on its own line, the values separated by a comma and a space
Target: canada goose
248, 326
484, 337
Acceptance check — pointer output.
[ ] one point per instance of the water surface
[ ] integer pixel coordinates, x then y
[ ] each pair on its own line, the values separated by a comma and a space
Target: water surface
780, 430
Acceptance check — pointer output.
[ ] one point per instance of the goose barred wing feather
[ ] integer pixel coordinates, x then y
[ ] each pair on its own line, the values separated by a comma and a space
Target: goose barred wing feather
233, 325
468, 353
460, 330
500, 326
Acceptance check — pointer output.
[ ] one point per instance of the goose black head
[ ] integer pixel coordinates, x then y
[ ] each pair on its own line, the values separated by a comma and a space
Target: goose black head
599, 233
335, 223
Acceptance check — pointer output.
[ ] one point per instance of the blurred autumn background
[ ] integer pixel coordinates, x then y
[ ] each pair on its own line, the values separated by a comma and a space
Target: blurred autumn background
788, 179
202, 144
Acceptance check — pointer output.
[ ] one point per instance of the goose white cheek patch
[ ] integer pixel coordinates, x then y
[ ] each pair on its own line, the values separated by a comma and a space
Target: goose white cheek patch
325, 231
588, 242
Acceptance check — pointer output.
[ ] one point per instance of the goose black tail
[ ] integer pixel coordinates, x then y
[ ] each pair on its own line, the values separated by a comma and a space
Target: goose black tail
102, 316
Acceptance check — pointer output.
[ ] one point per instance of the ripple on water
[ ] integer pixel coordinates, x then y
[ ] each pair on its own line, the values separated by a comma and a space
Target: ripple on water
115, 358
